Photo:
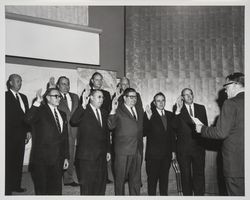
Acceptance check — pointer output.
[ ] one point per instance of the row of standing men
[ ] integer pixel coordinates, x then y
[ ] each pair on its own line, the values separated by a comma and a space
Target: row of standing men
68, 132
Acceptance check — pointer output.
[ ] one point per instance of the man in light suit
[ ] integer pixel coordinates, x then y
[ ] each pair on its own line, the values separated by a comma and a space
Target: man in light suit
93, 145
16, 135
230, 129
49, 153
161, 144
190, 146
126, 121
68, 105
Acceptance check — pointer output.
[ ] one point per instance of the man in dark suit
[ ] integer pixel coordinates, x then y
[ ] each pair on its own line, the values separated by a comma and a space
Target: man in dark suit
68, 105
190, 150
50, 151
96, 82
126, 121
230, 129
161, 147
17, 131
122, 86
93, 144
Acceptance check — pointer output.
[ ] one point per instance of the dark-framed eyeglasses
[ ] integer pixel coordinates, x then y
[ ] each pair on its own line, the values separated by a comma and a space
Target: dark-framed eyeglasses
56, 96
131, 96
229, 83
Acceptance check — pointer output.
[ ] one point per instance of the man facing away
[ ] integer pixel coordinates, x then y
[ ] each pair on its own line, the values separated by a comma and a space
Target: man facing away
190, 149
17, 134
49, 152
93, 145
230, 129
126, 121
68, 104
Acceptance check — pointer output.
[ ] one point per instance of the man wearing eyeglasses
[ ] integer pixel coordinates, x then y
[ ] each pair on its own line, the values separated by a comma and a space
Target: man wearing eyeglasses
50, 151
230, 129
126, 121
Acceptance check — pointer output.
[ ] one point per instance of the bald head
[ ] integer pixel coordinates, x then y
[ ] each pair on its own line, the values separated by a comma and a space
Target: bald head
124, 83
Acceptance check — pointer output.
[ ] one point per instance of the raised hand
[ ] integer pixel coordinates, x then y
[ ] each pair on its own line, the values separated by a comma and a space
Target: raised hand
52, 82
39, 97
148, 111
118, 92
179, 103
85, 98
114, 105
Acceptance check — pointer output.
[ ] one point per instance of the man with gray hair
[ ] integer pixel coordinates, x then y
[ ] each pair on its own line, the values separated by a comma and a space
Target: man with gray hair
17, 134
230, 129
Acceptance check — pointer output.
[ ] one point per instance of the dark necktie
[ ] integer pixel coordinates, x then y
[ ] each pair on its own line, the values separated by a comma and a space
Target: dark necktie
133, 113
18, 100
57, 120
98, 117
164, 120
191, 111
65, 100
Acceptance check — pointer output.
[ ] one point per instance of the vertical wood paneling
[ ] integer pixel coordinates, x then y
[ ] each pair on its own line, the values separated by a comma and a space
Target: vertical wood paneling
71, 14
170, 48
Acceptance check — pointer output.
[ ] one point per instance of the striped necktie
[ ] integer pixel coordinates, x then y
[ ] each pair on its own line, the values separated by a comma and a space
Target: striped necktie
98, 117
133, 113
57, 120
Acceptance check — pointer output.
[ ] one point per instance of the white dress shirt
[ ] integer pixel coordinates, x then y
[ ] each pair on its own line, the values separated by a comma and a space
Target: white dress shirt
160, 111
69, 100
98, 110
20, 99
59, 115
129, 108
192, 107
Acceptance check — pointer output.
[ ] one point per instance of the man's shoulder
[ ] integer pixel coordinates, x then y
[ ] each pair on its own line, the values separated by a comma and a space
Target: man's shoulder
73, 94
199, 105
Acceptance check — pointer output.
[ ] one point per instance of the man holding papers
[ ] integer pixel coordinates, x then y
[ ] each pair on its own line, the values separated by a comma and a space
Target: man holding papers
230, 128
190, 150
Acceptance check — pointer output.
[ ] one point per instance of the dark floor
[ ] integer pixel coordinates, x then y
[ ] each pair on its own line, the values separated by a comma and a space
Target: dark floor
68, 190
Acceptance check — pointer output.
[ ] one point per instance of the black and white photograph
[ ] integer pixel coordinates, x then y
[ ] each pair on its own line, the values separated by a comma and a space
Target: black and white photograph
124, 98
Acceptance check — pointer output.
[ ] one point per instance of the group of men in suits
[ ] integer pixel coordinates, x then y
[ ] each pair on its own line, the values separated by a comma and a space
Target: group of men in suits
65, 129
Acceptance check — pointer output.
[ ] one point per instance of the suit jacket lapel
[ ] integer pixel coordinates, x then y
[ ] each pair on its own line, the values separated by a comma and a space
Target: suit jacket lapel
125, 109
186, 115
90, 110
52, 118
13, 98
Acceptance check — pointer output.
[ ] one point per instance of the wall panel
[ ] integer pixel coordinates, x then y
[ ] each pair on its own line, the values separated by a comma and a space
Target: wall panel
169, 48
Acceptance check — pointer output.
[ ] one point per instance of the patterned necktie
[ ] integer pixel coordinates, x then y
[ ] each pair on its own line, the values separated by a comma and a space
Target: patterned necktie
98, 117
57, 120
164, 120
133, 113
191, 111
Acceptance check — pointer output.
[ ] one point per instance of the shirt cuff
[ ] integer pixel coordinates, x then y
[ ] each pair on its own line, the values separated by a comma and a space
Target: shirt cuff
36, 104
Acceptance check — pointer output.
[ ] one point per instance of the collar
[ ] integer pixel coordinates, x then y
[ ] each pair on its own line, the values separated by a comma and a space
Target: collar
94, 108
129, 108
187, 105
52, 108
160, 111
14, 92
